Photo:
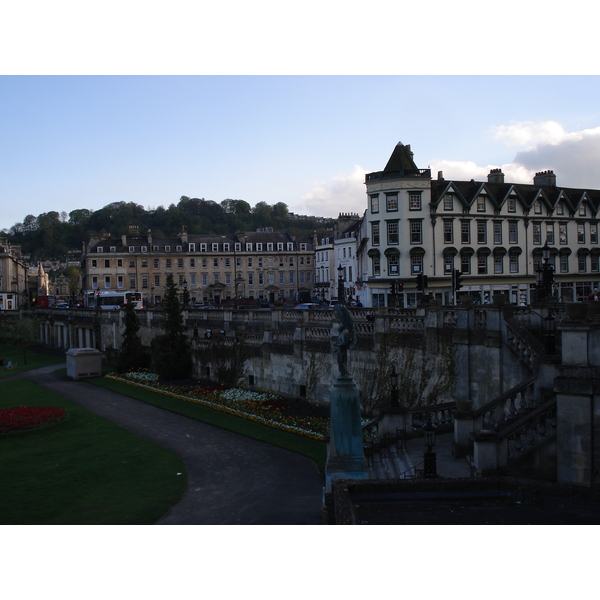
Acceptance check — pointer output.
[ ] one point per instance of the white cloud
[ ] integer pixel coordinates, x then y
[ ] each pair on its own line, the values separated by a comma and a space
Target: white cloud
342, 194
573, 156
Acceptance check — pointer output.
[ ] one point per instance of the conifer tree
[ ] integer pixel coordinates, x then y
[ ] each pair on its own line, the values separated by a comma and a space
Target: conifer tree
132, 355
171, 352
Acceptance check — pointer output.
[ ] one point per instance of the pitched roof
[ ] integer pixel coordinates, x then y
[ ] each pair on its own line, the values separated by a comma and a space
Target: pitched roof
401, 158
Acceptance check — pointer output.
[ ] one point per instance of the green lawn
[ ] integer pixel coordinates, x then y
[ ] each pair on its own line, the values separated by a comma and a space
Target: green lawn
313, 449
85, 470
34, 361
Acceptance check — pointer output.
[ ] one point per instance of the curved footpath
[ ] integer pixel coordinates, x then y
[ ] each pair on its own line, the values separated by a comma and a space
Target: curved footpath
232, 479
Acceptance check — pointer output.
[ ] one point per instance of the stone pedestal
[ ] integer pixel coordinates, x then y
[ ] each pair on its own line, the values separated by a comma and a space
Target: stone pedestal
346, 459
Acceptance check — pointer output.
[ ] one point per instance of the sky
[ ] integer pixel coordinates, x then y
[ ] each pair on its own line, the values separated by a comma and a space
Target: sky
84, 141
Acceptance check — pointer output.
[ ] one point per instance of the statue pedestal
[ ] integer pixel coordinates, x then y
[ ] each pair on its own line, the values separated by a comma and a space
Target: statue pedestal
346, 458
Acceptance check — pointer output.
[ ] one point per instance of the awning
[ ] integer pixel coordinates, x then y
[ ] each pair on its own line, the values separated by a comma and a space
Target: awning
373, 252
467, 251
515, 250
450, 251
485, 251
392, 252
417, 250
499, 251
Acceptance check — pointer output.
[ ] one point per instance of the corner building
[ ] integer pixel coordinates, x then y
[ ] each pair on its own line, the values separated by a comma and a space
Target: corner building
493, 232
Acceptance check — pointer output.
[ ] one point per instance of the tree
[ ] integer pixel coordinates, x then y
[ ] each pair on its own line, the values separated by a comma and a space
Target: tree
24, 333
131, 355
171, 352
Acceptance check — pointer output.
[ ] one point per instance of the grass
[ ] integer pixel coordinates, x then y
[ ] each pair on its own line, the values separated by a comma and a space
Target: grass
34, 361
313, 449
85, 470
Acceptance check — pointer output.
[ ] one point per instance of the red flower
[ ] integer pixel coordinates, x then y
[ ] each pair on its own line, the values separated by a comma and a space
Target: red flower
29, 417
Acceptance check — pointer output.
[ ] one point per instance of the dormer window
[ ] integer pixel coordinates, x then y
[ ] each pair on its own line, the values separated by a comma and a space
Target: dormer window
131, 248
202, 247
512, 204
480, 203
560, 209
279, 246
167, 248
238, 247
248, 247
215, 247
290, 246
144, 248
99, 249
259, 247
537, 207
113, 248
448, 202
179, 248
302, 246
192, 247
270, 247
225, 247
582, 210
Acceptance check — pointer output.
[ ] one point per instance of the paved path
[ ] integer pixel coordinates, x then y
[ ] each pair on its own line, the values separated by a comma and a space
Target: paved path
232, 479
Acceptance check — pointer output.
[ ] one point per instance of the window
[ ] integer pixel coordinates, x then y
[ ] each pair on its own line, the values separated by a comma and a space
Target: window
593, 233
180, 280
215, 247
416, 263
537, 233
251, 278
120, 282
259, 247
537, 207
513, 263
261, 279
393, 264
465, 263
512, 204
416, 232
392, 231
448, 232
480, 203
144, 248
279, 246
513, 232
107, 281
270, 247
376, 265
260, 263
193, 280
169, 263
465, 232
216, 278
155, 248
448, 202
482, 264
595, 266
302, 246
144, 281
113, 248
157, 280
192, 263
250, 261
94, 263
580, 233
550, 233
204, 263
582, 210
564, 263
582, 262
179, 263
481, 232
228, 261
248, 247
156, 263
132, 283
202, 247
497, 233
215, 262
309, 276
107, 264
302, 277
99, 249
167, 248
204, 280
281, 278
498, 267
192, 247
414, 200
448, 263
391, 201
272, 278
375, 203
178, 248
290, 246
227, 279
560, 209
375, 233
562, 234
94, 283
132, 262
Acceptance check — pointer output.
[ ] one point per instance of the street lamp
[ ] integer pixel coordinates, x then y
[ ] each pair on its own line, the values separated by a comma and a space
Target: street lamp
340, 271
394, 384
545, 275
429, 458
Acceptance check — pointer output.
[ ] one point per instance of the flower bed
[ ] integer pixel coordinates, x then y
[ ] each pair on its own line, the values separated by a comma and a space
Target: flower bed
267, 408
20, 418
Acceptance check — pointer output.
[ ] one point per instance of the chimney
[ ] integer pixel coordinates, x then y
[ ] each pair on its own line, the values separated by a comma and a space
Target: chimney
124, 240
183, 235
149, 237
496, 176
440, 175
545, 178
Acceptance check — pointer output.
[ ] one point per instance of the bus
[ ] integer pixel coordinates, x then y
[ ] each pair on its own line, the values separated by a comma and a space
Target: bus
113, 300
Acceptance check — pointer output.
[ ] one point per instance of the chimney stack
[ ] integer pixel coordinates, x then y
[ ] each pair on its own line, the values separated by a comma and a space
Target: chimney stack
545, 178
496, 176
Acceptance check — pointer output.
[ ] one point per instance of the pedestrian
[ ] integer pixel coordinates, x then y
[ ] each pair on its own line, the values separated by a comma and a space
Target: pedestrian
594, 296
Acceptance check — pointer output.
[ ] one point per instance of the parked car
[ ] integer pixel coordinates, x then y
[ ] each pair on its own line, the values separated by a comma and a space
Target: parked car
61, 305
307, 306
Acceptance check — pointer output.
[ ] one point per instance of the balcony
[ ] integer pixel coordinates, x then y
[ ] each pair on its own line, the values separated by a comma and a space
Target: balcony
401, 174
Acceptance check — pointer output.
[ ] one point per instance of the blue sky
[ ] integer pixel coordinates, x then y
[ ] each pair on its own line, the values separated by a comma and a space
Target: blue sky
72, 142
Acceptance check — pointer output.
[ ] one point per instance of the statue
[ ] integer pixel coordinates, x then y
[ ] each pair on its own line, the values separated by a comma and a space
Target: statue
346, 338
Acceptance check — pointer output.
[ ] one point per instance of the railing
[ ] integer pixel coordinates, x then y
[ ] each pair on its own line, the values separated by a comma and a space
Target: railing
524, 344
503, 410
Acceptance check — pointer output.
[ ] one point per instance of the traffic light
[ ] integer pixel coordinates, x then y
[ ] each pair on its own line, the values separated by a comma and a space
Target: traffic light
421, 282
456, 279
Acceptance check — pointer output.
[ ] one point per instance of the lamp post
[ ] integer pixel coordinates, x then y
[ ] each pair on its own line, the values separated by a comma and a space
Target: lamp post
545, 275
394, 390
340, 271
429, 458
